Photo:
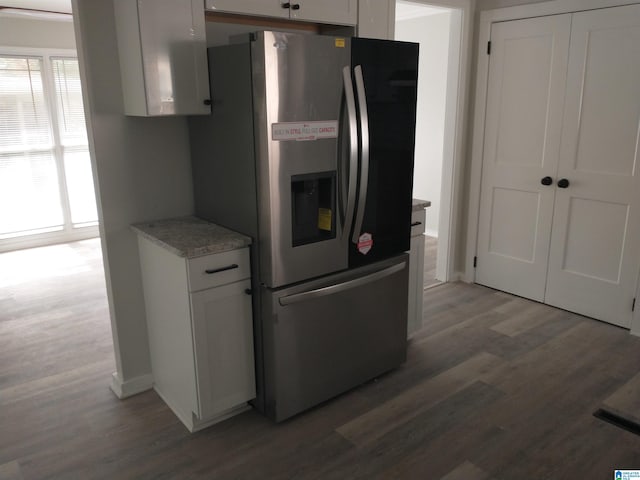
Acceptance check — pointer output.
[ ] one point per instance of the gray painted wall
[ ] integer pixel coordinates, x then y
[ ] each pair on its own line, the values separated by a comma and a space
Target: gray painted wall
142, 172
19, 32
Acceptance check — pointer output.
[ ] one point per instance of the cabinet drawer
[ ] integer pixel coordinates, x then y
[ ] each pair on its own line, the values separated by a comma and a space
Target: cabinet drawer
417, 222
218, 269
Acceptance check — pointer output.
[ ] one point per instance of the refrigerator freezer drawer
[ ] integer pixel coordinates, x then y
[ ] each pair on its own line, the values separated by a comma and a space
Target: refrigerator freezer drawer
327, 336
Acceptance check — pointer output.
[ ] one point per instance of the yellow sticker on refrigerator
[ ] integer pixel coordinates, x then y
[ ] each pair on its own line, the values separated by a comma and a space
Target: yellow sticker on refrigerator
340, 43
324, 219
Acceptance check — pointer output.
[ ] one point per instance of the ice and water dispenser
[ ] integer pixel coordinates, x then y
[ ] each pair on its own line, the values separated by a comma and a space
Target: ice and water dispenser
313, 207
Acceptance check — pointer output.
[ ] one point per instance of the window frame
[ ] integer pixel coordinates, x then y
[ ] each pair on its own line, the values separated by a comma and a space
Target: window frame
69, 232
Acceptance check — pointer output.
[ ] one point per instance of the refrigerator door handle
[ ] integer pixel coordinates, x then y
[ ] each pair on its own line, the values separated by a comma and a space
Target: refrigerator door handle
364, 152
341, 287
353, 151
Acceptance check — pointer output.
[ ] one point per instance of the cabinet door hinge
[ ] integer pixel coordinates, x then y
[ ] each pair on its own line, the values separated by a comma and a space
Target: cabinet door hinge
489, 47
633, 305
475, 262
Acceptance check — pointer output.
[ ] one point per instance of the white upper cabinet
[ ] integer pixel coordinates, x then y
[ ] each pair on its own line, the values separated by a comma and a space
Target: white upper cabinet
339, 12
265, 8
163, 58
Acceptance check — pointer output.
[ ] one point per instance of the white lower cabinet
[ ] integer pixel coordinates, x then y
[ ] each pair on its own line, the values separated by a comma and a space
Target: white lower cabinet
416, 272
223, 340
200, 329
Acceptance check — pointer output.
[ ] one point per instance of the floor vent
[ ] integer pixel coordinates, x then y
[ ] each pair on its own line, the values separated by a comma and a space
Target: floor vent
617, 420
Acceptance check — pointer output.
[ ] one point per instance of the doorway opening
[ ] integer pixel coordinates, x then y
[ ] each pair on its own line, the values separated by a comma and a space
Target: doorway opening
54, 314
46, 182
438, 31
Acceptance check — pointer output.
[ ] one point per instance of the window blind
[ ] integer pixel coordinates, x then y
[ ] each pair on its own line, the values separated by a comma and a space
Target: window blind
46, 183
73, 137
29, 192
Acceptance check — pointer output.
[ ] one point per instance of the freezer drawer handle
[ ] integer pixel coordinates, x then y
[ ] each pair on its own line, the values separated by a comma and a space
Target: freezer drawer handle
341, 287
415, 224
211, 271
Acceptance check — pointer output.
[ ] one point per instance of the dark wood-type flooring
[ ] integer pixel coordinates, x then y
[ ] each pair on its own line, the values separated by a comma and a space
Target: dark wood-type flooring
494, 387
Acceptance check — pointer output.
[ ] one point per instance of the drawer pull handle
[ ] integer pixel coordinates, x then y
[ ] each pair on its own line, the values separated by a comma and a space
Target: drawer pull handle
248, 291
415, 224
211, 271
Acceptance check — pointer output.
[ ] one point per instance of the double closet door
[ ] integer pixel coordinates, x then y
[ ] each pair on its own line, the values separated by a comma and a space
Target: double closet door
560, 196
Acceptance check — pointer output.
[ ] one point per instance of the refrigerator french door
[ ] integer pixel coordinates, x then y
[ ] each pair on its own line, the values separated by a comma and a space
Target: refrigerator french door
309, 150
335, 134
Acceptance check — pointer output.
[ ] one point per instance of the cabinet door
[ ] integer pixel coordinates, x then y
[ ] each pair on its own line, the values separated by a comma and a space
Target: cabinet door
223, 339
268, 8
595, 248
527, 72
339, 12
174, 57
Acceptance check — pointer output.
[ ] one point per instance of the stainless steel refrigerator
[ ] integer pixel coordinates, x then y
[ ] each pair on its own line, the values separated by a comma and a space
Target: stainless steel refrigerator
309, 150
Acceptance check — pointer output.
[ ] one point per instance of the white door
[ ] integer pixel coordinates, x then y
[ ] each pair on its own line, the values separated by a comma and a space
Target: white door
527, 73
595, 247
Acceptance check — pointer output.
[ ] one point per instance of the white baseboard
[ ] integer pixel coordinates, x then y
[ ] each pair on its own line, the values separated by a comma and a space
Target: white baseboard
130, 387
431, 233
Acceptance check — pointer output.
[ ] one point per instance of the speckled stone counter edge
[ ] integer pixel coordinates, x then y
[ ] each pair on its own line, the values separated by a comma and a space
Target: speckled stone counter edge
191, 237
419, 204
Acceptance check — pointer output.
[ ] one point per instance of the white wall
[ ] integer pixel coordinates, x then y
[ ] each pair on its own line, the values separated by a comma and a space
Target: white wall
432, 32
19, 32
142, 172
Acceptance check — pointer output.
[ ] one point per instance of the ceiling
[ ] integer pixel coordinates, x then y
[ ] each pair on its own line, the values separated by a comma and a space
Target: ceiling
63, 6
406, 10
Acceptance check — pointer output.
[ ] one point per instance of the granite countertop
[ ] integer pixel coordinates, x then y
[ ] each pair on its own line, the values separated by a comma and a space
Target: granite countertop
420, 204
191, 237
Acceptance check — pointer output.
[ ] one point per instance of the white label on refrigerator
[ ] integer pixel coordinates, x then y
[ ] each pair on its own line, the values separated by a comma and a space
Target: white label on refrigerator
365, 242
304, 131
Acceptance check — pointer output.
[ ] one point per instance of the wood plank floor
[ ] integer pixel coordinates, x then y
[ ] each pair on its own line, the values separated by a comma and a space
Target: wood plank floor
494, 387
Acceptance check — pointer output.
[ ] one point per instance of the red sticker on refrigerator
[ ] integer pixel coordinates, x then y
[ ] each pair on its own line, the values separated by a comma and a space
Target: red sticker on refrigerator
365, 242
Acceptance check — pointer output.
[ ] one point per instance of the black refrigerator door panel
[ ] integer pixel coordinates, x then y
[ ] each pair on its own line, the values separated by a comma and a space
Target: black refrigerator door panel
390, 73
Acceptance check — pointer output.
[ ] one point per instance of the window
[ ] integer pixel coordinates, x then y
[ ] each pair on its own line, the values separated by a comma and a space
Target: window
46, 184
